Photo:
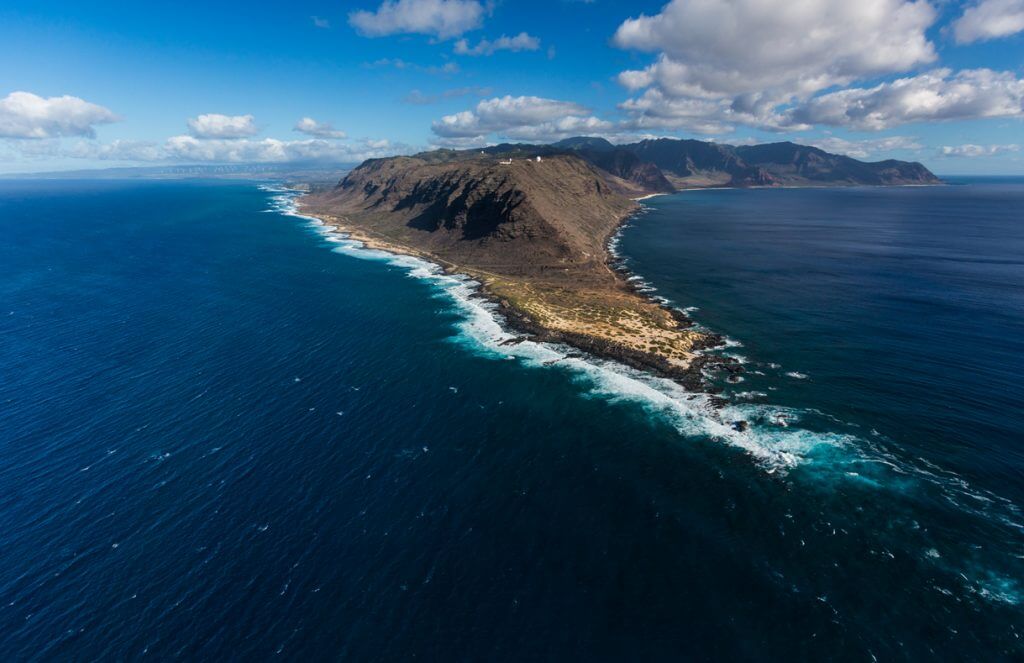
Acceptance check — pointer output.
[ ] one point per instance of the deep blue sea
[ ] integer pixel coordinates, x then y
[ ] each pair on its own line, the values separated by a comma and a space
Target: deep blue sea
228, 434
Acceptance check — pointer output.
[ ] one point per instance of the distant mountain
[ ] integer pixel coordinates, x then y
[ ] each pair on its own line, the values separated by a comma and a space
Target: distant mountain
591, 143
789, 163
627, 165
664, 165
695, 163
690, 163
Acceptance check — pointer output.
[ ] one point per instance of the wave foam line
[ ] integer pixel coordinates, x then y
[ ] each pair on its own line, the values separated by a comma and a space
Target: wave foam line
773, 439
776, 448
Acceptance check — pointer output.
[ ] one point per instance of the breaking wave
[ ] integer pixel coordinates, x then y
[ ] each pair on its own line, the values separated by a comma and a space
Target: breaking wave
775, 437
779, 439
771, 439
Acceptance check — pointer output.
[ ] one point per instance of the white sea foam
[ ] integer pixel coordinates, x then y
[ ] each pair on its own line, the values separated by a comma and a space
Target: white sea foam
774, 438
691, 414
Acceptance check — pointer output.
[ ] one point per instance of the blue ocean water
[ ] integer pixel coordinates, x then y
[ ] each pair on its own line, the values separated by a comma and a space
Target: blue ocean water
227, 433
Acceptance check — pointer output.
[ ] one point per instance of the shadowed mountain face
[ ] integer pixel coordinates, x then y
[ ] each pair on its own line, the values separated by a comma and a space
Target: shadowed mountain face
531, 225
524, 217
694, 163
691, 162
789, 163
629, 166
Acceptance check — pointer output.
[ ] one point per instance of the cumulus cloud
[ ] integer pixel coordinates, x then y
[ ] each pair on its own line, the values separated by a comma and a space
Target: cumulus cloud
655, 109
118, 150
460, 143
27, 115
311, 127
563, 127
935, 95
215, 125
862, 149
521, 118
972, 151
521, 42
739, 62
442, 19
989, 19
189, 149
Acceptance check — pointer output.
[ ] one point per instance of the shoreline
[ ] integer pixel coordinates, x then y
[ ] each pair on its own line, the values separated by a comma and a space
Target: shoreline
691, 408
691, 375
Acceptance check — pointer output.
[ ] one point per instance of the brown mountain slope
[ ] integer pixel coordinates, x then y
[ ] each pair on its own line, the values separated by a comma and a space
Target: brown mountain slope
527, 218
534, 233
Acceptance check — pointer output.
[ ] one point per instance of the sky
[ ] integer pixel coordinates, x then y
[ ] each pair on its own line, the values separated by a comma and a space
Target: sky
117, 83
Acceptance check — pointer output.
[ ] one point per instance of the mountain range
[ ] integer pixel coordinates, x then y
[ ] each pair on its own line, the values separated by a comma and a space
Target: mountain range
667, 164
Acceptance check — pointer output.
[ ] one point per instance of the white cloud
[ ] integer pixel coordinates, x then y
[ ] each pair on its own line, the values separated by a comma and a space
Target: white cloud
563, 127
442, 19
523, 118
976, 150
934, 95
654, 109
311, 127
27, 115
738, 62
862, 149
319, 22
521, 42
118, 150
989, 19
185, 148
215, 125
188, 148
462, 143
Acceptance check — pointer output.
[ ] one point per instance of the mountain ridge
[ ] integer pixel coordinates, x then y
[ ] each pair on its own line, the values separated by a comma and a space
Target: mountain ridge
663, 165
689, 163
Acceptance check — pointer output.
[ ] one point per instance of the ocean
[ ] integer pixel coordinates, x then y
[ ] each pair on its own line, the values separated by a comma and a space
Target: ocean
229, 433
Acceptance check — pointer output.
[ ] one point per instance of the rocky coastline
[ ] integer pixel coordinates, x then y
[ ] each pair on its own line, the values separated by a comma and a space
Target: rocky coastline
693, 376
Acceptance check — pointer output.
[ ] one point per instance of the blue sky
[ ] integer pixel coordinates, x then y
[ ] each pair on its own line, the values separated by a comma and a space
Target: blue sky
86, 85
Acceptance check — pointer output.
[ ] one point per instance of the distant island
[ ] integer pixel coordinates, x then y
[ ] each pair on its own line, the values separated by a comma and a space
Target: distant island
532, 223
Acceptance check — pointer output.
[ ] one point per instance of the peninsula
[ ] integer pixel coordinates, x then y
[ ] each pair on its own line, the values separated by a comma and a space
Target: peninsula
532, 224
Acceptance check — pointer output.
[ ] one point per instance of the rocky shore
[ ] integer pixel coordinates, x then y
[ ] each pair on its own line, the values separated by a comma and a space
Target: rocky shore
692, 375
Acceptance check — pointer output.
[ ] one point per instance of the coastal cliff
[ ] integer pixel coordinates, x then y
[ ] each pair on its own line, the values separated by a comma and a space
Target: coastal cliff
523, 217
532, 224
534, 233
